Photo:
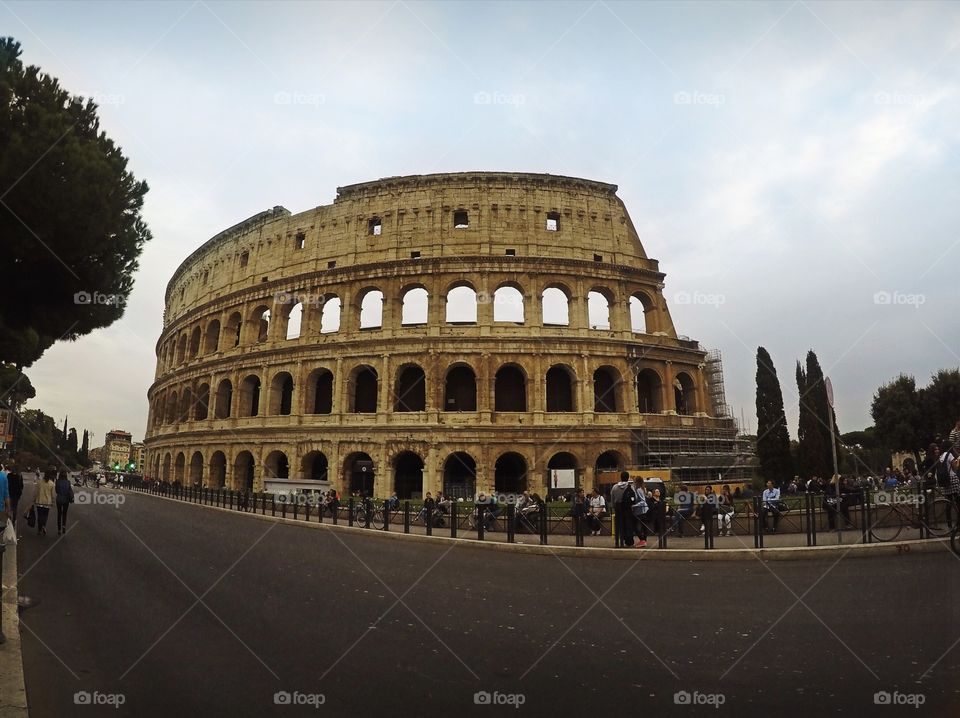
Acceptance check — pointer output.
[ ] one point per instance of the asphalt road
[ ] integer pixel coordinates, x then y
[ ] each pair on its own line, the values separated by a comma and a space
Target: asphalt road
171, 609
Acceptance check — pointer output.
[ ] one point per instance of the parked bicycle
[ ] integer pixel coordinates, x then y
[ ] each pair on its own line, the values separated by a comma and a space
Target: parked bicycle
890, 519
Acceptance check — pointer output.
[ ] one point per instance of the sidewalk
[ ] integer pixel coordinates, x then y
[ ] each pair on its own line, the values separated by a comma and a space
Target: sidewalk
13, 694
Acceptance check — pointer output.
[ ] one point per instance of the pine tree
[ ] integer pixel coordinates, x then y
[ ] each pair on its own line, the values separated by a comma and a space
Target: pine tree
773, 437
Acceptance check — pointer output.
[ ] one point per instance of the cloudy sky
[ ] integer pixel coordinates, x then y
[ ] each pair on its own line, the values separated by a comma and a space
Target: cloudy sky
793, 166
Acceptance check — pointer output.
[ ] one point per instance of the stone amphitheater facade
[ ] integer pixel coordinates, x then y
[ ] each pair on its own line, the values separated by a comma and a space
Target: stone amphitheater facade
461, 332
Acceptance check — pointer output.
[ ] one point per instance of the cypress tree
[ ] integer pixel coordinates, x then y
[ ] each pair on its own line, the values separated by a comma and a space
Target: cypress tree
809, 438
773, 437
85, 447
817, 390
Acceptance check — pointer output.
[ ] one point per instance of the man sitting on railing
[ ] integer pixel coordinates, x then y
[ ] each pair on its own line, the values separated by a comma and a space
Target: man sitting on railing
683, 510
598, 509
527, 508
771, 506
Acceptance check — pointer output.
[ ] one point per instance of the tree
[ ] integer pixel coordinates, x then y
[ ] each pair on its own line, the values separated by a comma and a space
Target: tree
84, 453
773, 437
898, 417
15, 387
940, 404
811, 448
71, 443
70, 215
817, 397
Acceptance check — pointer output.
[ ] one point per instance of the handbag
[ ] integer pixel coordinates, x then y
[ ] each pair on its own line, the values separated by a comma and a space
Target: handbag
31, 516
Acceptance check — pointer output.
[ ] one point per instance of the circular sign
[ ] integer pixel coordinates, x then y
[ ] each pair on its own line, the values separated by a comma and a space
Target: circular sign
829, 390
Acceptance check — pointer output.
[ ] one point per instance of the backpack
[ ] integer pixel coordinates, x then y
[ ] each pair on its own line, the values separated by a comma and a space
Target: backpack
943, 470
640, 507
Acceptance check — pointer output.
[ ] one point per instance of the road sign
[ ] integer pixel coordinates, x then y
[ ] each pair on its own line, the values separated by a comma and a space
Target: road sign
829, 390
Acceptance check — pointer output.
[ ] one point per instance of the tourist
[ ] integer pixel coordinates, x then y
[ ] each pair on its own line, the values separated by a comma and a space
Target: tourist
64, 492
771, 506
44, 500
4, 497
656, 512
685, 505
707, 509
950, 459
725, 511
831, 501
578, 511
623, 496
640, 510
598, 509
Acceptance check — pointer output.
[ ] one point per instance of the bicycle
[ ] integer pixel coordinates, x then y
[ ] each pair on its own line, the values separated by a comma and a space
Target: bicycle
955, 539
889, 520
366, 514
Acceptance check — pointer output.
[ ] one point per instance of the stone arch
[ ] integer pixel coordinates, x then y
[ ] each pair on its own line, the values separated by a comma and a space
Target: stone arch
218, 470
510, 473
315, 467
460, 475
243, 473
611, 460
294, 322
408, 475
233, 330
563, 460
363, 389
167, 460
170, 414
186, 404
196, 469
259, 324
179, 468
510, 388
561, 383
276, 465
211, 340
461, 304
371, 308
460, 388
415, 306
358, 473
223, 404
555, 305
281, 394
685, 394
599, 303
410, 392
195, 342
641, 313
649, 392
330, 315
508, 303
249, 390
182, 349
201, 406
607, 390
318, 394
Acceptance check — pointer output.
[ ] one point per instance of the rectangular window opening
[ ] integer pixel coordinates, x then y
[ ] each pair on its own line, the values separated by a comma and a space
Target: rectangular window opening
461, 219
598, 258
331, 264
511, 253
244, 258
300, 241
553, 221
375, 226
415, 254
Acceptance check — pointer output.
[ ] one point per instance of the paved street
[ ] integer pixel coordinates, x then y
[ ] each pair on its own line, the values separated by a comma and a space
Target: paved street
185, 611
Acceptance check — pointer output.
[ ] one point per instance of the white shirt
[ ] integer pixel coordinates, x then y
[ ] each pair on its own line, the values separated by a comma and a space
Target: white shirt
597, 504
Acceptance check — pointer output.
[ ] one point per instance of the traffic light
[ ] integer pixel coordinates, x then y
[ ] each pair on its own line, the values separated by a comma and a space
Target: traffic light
116, 467
131, 466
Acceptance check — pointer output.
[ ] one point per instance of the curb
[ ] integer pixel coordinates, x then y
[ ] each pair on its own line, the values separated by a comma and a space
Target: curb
13, 692
792, 553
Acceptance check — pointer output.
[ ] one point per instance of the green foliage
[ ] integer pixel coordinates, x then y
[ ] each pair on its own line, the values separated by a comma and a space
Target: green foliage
814, 454
773, 437
70, 217
897, 415
15, 387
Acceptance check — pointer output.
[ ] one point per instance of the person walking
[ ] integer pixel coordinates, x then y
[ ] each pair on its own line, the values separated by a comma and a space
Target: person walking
64, 492
44, 500
4, 497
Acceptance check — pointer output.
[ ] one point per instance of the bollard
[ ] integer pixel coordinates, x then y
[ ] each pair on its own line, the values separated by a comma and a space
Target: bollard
295, 503
759, 524
616, 528
865, 518
428, 519
543, 523
386, 517
511, 522
263, 504
707, 533
350, 512
481, 510
808, 515
406, 517
283, 509
454, 519
578, 530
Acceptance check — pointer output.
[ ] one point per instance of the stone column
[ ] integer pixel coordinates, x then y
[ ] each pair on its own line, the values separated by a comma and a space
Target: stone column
384, 390
668, 404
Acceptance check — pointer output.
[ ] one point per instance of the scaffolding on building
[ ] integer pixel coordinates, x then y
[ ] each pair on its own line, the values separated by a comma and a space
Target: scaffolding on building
696, 455
714, 373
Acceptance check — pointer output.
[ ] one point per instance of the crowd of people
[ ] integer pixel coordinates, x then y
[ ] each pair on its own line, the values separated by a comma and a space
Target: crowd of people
53, 490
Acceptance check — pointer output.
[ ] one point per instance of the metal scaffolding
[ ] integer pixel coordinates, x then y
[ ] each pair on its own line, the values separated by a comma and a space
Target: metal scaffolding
714, 372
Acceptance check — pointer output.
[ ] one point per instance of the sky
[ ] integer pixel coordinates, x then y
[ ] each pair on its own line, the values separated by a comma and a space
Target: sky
793, 166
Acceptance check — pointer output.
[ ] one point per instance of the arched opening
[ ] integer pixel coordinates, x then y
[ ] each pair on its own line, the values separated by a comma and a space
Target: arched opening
685, 394
460, 476
510, 474
510, 389
276, 466
556, 307
640, 305
598, 310
171, 412
281, 394
211, 340
371, 310
411, 394
562, 474
234, 327
330, 316
508, 305
460, 389
364, 390
179, 468
408, 475
166, 469
315, 467
186, 404
243, 471
606, 390
294, 321
648, 392
319, 394
250, 396
461, 305
218, 470
224, 402
194, 342
182, 349
358, 474
196, 469
609, 461
560, 388
261, 322
415, 309
202, 405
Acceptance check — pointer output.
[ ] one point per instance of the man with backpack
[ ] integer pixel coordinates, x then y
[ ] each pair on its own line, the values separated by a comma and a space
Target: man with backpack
623, 496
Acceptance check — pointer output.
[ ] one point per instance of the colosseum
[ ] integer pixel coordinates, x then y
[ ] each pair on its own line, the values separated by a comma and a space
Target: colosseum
459, 332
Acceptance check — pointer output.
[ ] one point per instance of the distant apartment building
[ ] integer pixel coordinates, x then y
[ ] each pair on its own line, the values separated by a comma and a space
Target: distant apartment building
138, 456
116, 449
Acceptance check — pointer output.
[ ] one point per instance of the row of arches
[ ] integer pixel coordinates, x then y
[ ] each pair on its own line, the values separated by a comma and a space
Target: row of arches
412, 393
288, 316
357, 474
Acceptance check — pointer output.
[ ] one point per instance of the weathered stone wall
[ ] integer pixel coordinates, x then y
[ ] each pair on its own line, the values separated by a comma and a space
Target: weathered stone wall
394, 236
